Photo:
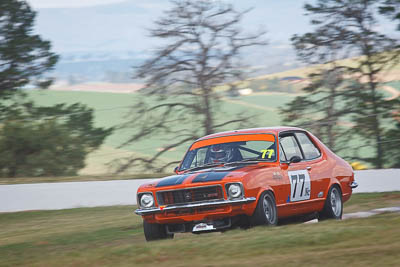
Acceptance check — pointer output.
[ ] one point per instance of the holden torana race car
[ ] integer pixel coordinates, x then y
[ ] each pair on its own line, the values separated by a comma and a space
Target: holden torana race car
245, 178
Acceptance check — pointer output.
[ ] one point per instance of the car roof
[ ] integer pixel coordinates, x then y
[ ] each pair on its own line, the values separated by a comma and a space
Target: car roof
270, 130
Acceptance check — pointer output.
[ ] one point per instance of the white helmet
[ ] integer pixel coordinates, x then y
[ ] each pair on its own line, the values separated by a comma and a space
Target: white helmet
220, 153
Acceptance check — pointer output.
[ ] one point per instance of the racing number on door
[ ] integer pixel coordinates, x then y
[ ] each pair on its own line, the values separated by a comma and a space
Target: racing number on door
300, 185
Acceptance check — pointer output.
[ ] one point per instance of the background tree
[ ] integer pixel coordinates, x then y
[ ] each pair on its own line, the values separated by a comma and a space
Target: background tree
24, 56
348, 28
36, 141
202, 42
47, 141
391, 145
322, 107
391, 8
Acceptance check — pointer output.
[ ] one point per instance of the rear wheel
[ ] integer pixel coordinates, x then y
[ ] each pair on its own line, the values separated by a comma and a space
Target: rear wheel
333, 208
155, 231
265, 212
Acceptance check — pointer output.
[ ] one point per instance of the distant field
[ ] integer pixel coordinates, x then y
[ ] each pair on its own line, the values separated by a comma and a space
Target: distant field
394, 84
388, 75
111, 110
113, 236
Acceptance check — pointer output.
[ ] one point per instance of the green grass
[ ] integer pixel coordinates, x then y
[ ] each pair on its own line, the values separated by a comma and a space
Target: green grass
113, 236
368, 201
274, 101
394, 84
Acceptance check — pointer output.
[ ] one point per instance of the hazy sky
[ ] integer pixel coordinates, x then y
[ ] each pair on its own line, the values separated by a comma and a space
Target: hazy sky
107, 27
69, 3
74, 25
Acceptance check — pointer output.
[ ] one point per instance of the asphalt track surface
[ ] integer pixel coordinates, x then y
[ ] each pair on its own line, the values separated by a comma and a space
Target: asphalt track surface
52, 196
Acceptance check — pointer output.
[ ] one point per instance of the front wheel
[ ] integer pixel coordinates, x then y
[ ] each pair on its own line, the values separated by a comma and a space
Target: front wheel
155, 231
265, 212
333, 207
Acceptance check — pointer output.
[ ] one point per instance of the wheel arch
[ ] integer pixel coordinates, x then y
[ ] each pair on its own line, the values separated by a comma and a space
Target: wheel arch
264, 189
260, 191
328, 212
259, 215
333, 182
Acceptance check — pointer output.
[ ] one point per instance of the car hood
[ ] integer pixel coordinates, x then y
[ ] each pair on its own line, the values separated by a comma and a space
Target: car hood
206, 175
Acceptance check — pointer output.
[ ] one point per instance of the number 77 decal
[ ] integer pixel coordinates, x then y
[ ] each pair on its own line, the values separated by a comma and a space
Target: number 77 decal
300, 185
265, 151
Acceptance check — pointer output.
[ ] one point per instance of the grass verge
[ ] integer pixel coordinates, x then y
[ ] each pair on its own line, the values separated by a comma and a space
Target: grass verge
369, 201
113, 236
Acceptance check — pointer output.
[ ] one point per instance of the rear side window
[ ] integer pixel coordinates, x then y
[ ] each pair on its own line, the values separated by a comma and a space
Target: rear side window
281, 154
290, 147
309, 149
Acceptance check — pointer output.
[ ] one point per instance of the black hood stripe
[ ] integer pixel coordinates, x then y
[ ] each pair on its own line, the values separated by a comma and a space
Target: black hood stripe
213, 176
173, 180
216, 175
210, 177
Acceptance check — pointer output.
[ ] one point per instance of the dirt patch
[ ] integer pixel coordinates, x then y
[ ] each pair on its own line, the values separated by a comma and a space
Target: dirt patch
392, 197
395, 93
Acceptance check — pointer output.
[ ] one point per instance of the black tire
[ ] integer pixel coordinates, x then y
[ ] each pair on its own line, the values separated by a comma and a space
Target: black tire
155, 231
265, 212
333, 207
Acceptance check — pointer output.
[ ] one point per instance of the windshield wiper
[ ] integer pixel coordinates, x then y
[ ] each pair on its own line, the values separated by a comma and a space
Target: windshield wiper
209, 165
247, 161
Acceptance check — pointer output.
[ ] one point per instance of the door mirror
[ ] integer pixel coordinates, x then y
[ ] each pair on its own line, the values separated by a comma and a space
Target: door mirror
294, 159
176, 169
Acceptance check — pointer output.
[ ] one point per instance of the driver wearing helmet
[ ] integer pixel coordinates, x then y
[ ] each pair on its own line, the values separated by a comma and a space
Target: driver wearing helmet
220, 153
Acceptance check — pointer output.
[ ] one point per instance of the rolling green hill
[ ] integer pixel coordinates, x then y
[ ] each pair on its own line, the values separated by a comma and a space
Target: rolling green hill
113, 109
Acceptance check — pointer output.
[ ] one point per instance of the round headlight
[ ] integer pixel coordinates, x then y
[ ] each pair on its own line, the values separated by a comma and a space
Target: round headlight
234, 190
147, 200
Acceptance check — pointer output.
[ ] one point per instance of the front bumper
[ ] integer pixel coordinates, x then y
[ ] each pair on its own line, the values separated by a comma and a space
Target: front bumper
194, 205
353, 185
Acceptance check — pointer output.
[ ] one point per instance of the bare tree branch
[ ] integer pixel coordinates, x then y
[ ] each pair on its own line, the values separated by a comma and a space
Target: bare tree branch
203, 42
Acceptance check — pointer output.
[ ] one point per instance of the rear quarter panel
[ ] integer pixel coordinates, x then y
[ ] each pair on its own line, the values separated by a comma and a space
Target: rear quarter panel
339, 171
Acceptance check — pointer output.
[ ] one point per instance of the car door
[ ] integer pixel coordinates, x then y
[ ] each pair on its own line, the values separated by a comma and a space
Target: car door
313, 162
303, 176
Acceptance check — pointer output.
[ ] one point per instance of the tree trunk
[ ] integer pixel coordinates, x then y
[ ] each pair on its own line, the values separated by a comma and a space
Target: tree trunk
378, 162
208, 119
377, 130
331, 120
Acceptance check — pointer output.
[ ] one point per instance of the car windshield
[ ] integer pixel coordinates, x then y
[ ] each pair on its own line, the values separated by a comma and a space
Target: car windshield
239, 148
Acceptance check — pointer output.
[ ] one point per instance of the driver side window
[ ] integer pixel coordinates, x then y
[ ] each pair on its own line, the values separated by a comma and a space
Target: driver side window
199, 157
290, 147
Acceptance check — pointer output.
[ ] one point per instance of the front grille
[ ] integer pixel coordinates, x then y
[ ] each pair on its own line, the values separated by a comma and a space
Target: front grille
194, 194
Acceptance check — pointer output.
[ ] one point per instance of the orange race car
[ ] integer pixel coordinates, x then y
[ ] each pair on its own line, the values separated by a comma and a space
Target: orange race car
244, 178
